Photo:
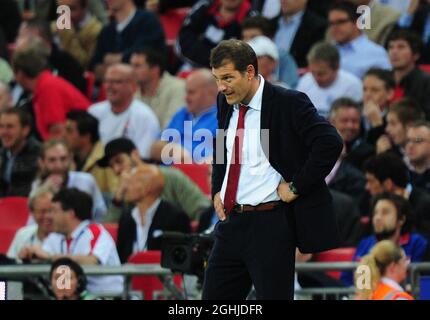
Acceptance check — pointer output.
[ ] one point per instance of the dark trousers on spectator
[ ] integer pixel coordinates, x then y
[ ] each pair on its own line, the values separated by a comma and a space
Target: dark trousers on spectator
256, 247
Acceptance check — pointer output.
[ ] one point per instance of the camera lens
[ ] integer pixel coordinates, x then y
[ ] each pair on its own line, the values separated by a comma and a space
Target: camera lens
179, 255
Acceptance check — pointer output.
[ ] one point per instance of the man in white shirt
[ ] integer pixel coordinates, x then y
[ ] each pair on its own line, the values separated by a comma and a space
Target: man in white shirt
55, 162
77, 238
326, 82
40, 206
121, 115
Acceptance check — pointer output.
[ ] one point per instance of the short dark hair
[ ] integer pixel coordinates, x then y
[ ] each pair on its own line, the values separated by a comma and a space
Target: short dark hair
86, 124
25, 118
403, 209
388, 165
235, 51
267, 27
78, 201
414, 40
384, 75
348, 7
407, 110
154, 57
325, 51
31, 60
343, 103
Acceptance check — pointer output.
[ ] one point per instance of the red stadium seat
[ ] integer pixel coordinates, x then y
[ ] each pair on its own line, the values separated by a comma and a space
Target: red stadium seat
149, 284
7, 233
335, 255
198, 173
13, 211
112, 228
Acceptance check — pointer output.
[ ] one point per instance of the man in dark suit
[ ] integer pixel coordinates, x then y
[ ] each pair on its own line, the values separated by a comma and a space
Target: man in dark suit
263, 219
298, 29
140, 228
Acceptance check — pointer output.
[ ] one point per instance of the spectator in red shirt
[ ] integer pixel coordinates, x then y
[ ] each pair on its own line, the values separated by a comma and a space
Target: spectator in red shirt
53, 97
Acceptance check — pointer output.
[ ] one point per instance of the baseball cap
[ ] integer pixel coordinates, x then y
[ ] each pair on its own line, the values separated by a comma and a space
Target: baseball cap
115, 147
263, 46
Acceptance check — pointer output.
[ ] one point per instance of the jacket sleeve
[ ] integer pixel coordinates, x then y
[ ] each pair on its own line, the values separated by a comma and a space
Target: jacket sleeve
191, 44
321, 138
219, 161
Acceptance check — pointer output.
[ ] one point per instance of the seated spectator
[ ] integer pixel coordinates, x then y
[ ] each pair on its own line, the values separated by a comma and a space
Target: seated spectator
129, 30
378, 91
388, 265
391, 220
78, 281
208, 23
267, 58
325, 82
81, 39
345, 116
61, 62
417, 19
418, 154
139, 229
121, 155
298, 29
194, 126
5, 97
39, 202
286, 67
162, 92
383, 19
18, 154
121, 115
82, 138
387, 173
45, 9
357, 53
399, 116
404, 48
55, 161
75, 237
53, 96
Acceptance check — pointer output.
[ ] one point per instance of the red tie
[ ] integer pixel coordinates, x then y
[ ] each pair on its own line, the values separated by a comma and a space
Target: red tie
236, 156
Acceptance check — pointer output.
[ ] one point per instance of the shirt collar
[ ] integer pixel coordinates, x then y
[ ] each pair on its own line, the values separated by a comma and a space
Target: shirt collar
79, 228
149, 213
295, 18
255, 102
393, 284
121, 26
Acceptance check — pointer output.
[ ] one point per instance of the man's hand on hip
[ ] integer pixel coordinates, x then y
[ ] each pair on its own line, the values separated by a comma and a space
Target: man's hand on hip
285, 192
219, 207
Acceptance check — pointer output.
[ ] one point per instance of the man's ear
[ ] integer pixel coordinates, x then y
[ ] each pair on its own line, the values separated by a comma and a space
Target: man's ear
388, 185
250, 71
26, 131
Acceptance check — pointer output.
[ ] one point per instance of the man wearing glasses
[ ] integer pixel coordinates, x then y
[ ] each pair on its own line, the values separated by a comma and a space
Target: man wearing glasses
357, 53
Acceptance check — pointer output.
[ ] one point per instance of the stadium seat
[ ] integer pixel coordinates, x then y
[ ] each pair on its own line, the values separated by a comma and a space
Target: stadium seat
335, 255
149, 284
14, 211
171, 21
112, 228
198, 173
7, 233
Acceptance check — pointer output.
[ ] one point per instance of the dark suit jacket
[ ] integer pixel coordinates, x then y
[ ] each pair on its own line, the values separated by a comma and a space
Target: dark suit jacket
166, 218
420, 203
303, 148
311, 30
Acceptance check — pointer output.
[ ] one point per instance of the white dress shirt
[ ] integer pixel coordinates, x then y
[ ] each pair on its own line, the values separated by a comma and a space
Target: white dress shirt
142, 231
25, 236
258, 181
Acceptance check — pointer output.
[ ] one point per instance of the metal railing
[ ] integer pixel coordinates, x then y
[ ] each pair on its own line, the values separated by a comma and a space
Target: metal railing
17, 272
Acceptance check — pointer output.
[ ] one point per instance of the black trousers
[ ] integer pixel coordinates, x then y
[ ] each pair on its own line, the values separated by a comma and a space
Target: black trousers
252, 248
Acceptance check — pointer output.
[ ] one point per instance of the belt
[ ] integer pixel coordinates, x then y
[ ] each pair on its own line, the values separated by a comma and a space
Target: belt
240, 208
